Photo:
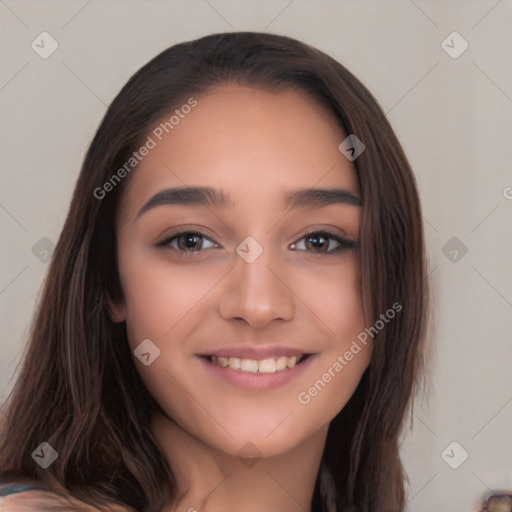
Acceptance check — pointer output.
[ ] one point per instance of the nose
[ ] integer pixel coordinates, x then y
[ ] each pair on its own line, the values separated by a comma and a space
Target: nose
257, 292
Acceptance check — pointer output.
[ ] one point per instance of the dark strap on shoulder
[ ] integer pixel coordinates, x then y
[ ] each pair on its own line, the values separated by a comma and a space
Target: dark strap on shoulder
6, 490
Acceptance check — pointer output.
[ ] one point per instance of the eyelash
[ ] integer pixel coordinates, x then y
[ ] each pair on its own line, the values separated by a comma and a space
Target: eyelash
344, 243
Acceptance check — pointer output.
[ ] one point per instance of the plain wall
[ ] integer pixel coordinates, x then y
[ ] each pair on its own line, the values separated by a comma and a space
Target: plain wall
452, 115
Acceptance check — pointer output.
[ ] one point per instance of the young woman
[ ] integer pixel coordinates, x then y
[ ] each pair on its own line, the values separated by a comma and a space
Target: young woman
234, 317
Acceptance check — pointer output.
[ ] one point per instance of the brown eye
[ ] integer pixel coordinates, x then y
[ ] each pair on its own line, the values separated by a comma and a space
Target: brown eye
323, 242
318, 242
187, 241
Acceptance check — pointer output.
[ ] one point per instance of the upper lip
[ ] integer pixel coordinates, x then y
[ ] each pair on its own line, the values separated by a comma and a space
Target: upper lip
252, 352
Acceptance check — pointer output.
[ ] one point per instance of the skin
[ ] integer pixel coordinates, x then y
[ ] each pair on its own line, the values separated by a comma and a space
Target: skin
255, 145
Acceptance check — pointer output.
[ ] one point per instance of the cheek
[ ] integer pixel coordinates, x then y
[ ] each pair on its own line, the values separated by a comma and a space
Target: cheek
331, 388
163, 304
158, 296
333, 295
338, 305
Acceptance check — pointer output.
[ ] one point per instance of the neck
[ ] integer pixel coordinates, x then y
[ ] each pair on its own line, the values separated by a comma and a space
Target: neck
209, 480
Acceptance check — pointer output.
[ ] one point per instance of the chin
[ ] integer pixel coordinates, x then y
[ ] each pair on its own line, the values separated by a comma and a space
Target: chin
264, 441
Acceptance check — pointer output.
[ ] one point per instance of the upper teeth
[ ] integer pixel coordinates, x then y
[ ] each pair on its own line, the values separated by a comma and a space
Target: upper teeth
270, 365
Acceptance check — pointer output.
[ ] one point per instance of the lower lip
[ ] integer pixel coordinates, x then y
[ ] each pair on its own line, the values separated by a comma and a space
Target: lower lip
257, 381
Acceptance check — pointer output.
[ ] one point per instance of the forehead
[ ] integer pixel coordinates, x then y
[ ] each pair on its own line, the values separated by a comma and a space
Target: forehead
254, 143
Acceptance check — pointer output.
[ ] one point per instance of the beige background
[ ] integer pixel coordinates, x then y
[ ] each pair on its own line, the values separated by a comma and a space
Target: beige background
453, 116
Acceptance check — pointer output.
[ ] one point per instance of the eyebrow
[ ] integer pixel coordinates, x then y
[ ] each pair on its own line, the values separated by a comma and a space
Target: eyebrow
217, 198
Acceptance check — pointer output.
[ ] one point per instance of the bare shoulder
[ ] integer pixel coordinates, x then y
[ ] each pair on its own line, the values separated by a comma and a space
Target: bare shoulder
42, 501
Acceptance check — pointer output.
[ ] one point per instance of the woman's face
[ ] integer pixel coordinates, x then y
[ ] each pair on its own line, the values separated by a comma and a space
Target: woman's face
250, 281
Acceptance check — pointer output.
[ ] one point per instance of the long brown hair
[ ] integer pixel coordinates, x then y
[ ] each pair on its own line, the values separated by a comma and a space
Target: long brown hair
78, 388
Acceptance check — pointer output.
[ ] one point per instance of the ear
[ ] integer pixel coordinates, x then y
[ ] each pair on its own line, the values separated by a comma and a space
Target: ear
116, 309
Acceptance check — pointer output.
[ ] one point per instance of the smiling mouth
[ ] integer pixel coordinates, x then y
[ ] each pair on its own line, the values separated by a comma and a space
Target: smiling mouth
268, 365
